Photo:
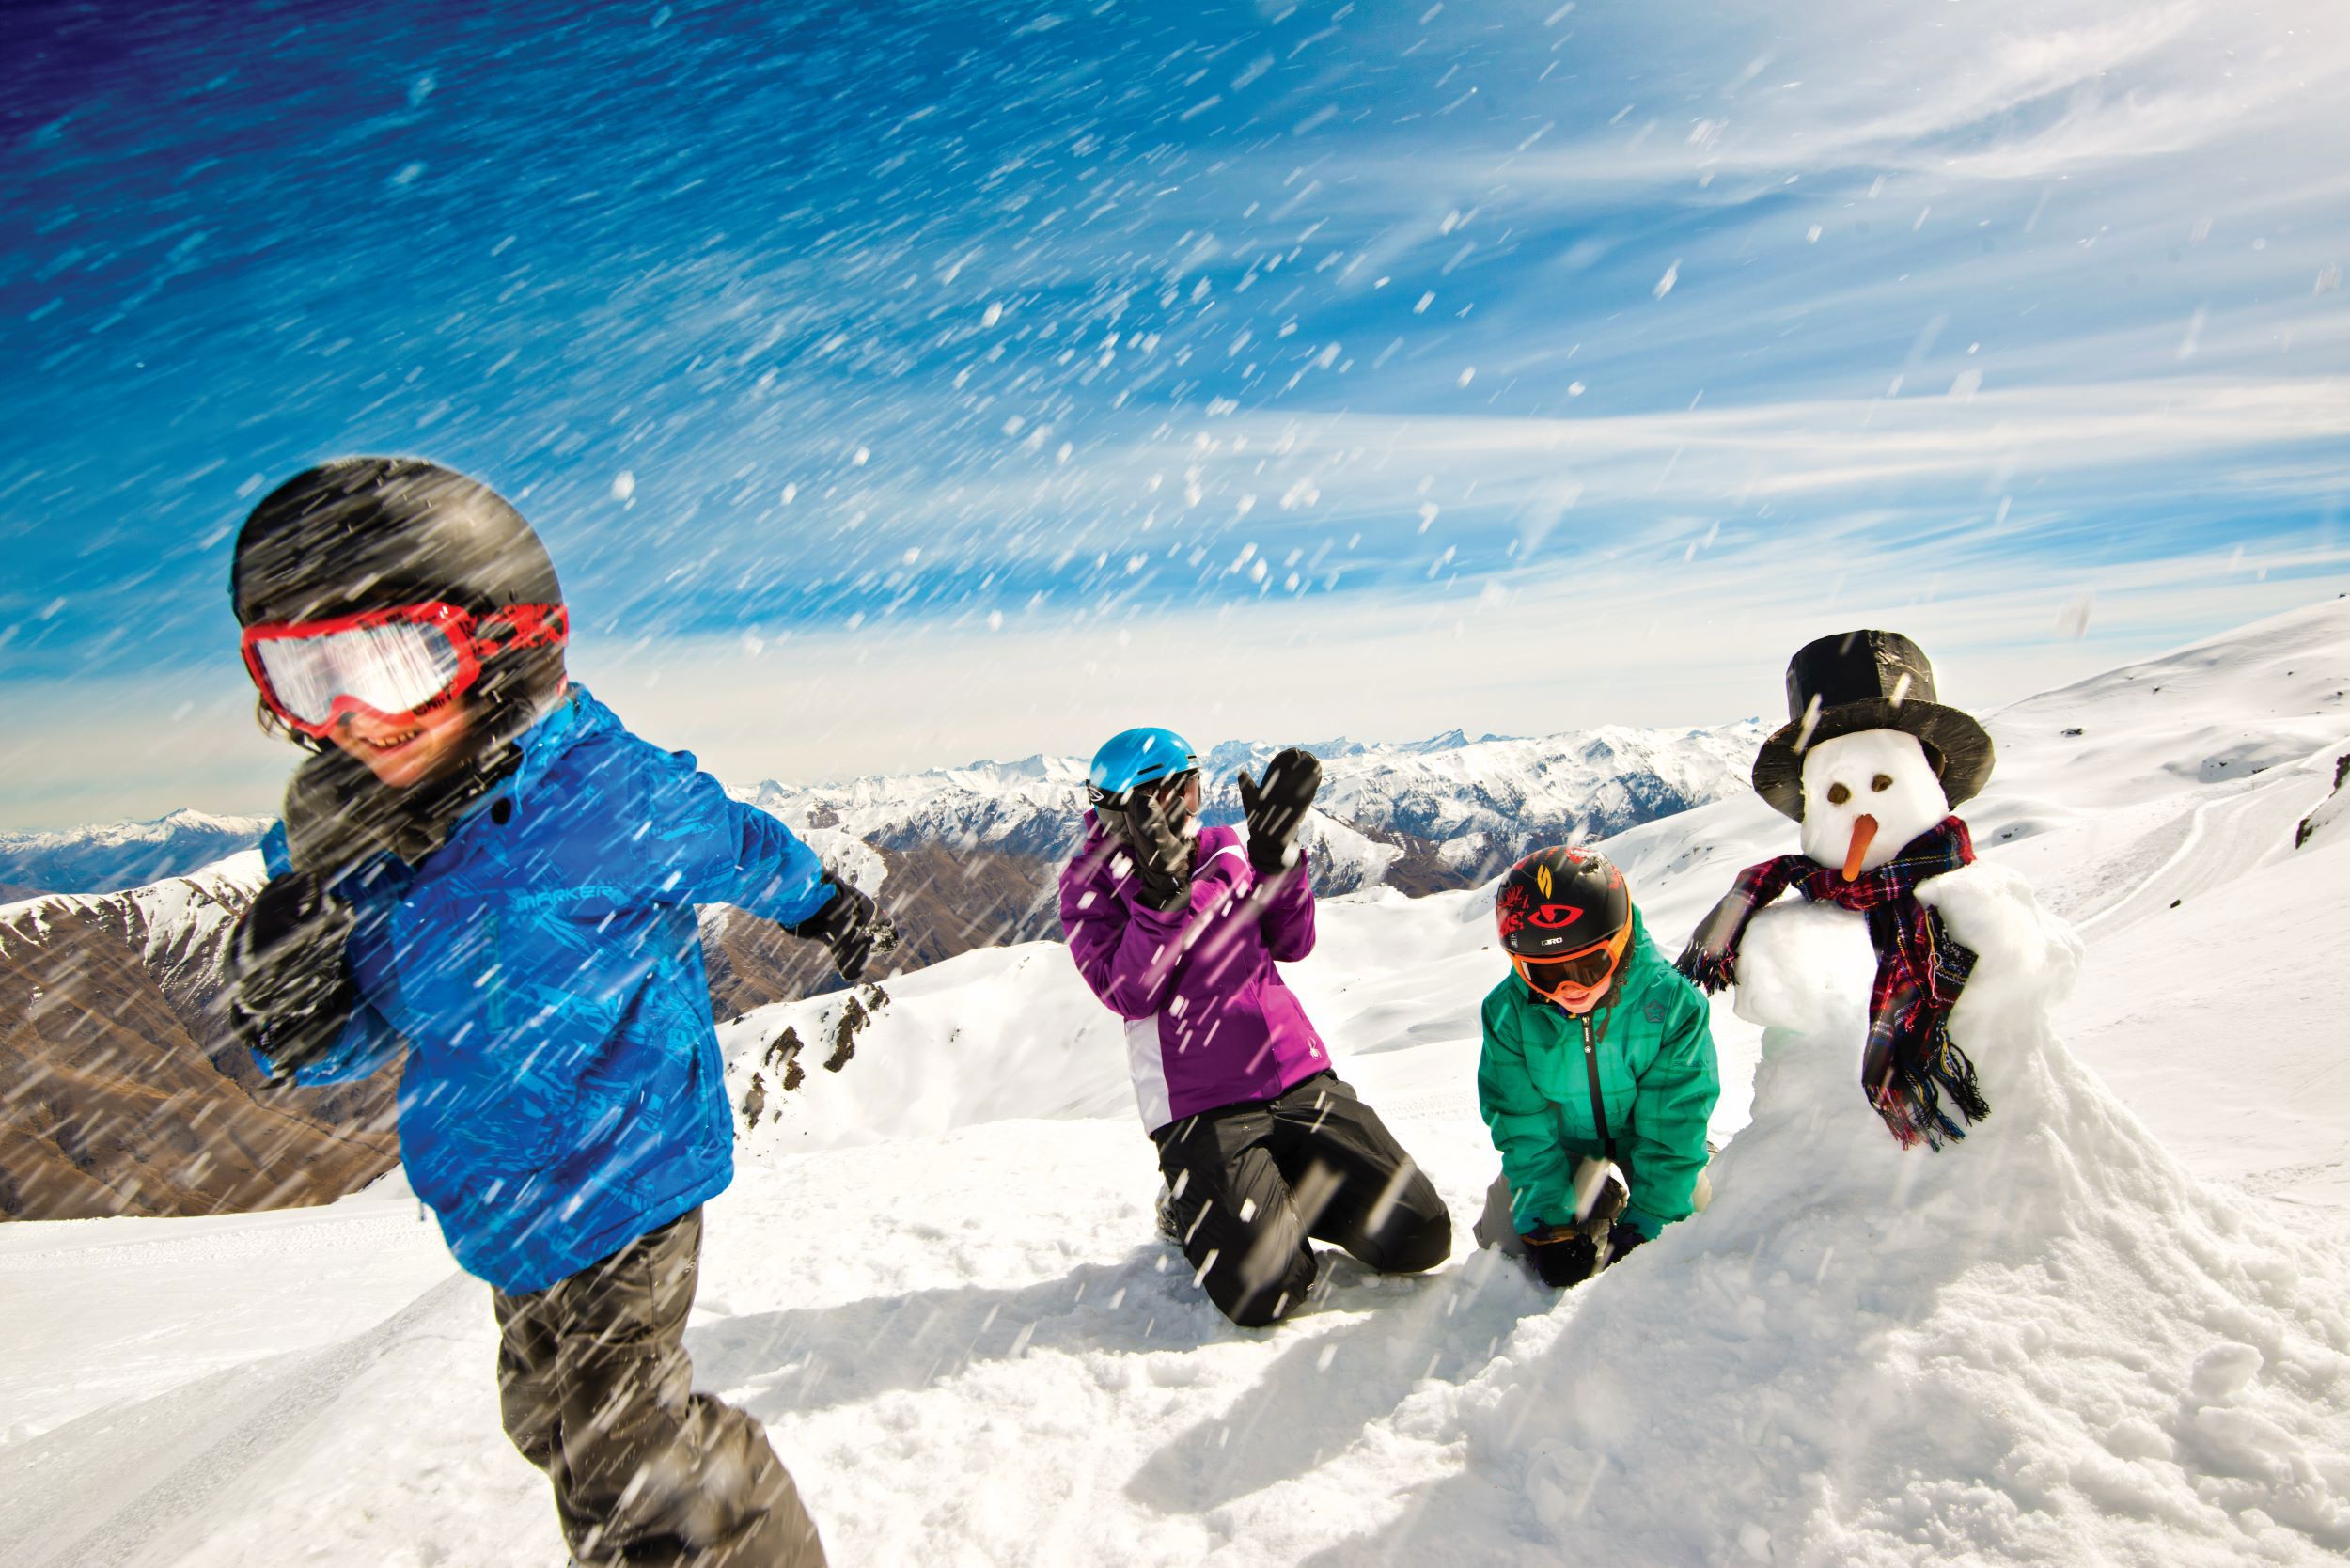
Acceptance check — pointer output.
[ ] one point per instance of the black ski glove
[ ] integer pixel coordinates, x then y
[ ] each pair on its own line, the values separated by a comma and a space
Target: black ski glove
289, 990
1562, 1255
851, 927
1276, 807
1162, 855
1621, 1238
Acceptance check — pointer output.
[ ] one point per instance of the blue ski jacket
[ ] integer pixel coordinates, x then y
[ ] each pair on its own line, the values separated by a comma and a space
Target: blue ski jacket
563, 1093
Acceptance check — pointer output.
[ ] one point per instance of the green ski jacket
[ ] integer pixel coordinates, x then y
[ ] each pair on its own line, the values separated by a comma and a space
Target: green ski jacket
1652, 1044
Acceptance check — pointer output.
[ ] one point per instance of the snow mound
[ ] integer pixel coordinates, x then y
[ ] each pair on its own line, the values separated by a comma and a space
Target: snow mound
995, 1033
2046, 1344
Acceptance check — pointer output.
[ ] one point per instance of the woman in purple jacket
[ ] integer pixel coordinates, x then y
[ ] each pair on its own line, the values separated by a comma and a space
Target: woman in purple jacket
1177, 928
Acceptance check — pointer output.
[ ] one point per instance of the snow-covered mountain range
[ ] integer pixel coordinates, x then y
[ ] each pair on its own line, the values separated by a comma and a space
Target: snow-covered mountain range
2110, 1326
1460, 806
1438, 811
110, 857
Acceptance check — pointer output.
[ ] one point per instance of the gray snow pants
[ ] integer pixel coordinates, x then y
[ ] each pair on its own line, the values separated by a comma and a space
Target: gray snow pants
596, 1390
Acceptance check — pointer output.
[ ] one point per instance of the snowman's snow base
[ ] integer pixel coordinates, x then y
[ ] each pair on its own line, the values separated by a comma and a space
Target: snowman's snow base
2046, 1342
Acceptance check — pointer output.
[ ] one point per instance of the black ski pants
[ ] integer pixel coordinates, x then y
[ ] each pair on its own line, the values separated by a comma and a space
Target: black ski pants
596, 1390
1252, 1182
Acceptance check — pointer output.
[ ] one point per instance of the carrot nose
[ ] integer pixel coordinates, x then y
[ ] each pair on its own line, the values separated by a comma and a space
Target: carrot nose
1864, 829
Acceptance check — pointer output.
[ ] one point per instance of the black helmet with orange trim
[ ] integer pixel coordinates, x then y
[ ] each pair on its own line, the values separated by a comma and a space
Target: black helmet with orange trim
1564, 916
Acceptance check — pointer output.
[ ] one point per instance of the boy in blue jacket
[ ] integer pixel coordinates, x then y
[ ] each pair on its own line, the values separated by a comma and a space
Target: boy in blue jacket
479, 868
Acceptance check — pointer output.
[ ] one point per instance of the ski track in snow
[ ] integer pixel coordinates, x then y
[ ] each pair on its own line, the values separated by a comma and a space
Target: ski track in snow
2109, 1327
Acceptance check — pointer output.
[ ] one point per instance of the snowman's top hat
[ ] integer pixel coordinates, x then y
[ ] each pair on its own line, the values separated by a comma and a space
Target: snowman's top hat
1858, 681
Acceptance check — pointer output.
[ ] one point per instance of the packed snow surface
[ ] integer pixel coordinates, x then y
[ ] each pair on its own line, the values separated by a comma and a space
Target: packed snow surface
2109, 1327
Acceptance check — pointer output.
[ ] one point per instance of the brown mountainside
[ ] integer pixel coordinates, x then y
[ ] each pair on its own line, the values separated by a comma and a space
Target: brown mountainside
118, 1093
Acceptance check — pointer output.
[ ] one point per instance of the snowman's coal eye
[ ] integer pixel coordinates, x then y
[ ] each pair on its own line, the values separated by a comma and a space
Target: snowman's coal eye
1882, 782
1838, 795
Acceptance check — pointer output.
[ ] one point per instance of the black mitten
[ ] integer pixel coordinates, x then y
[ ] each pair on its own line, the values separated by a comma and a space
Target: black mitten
851, 927
289, 990
1162, 855
1562, 1255
1276, 807
1621, 1238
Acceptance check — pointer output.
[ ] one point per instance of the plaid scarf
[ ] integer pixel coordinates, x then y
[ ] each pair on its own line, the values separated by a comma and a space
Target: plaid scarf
1911, 1061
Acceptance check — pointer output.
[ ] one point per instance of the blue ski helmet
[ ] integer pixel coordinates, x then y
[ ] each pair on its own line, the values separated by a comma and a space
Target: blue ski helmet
1134, 757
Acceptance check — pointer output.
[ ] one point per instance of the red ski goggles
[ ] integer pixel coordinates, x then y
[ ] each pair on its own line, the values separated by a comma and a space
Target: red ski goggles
1574, 980
386, 664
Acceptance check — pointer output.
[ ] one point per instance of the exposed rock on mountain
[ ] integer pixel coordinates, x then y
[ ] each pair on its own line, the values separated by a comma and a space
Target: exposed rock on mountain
119, 1092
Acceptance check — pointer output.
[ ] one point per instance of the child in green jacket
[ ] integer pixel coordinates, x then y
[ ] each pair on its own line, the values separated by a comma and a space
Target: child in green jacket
1598, 1058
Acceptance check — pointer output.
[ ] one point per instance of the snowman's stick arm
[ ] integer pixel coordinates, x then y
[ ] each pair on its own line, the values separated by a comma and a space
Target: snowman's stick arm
1710, 961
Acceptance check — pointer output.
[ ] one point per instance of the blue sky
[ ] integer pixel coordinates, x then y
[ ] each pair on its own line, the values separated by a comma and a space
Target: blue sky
903, 384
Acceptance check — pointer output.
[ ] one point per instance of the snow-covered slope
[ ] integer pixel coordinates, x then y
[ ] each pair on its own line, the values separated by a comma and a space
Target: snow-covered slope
2332, 812
2109, 1327
114, 855
179, 922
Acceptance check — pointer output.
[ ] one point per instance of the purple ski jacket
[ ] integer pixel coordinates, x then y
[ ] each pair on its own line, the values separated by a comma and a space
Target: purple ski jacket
1207, 1021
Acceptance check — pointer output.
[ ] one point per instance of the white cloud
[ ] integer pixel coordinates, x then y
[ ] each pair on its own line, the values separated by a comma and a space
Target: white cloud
2003, 90
1725, 453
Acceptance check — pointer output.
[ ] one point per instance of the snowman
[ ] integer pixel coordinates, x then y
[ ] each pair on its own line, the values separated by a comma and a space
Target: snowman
1870, 765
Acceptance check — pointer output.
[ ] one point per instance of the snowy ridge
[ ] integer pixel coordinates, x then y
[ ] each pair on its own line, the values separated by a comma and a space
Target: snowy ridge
2109, 1327
2331, 811
1024, 806
180, 919
1474, 800
1477, 800
1581, 786
114, 855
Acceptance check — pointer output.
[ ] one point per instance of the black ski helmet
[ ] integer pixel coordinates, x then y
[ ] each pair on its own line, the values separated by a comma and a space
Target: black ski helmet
370, 533
367, 533
1560, 900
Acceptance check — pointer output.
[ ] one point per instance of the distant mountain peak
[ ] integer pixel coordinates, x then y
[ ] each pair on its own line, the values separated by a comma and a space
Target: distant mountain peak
106, 857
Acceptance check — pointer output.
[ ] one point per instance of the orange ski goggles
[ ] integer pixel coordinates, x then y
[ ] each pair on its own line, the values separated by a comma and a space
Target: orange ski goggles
1574, 980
